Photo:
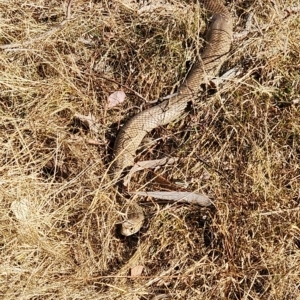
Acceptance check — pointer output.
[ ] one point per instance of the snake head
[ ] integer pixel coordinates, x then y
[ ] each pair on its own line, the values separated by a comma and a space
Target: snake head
133, 224
128, 228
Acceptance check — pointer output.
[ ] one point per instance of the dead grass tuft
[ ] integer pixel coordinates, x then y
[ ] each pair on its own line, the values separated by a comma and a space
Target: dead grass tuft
59, 209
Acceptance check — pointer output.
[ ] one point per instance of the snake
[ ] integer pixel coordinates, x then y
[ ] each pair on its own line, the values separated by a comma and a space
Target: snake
214, 53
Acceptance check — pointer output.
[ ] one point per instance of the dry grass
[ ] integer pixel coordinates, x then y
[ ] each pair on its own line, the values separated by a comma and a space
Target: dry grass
240, 144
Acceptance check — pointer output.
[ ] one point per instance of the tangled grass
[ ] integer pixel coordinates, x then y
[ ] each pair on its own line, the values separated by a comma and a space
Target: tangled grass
59, 209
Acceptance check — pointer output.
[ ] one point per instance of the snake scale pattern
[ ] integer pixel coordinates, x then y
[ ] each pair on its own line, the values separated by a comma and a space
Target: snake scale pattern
217, 45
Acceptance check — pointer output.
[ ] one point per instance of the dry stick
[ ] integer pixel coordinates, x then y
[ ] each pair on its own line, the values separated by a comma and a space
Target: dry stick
44, 35
283, 15
136, 93
241, 35
125, 87
220, 172
68, 10
275, 212
161, 296
137, 277
291, 10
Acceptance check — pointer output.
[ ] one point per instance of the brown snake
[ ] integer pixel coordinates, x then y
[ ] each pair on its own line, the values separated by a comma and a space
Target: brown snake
216, 49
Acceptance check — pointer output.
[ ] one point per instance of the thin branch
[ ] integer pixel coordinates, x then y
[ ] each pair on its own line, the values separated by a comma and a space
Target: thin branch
125, 87
43, 35
68, 10
280, 211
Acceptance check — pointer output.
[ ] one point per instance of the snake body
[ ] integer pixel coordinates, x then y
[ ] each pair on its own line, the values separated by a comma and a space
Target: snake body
217, 46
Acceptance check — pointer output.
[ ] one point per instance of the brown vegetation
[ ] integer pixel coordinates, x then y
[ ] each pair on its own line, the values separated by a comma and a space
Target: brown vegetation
59, 209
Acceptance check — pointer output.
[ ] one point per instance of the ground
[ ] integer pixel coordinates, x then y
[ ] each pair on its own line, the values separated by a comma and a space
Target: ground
239, 144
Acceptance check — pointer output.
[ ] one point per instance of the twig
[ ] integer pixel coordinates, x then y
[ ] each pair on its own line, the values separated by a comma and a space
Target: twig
282, 15
43, 35
274, 212
68, 10
292, 10
219, 172
229, 75
244, 33
125, 87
